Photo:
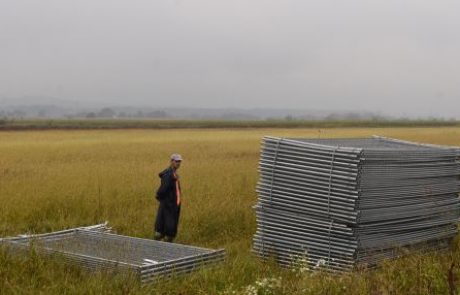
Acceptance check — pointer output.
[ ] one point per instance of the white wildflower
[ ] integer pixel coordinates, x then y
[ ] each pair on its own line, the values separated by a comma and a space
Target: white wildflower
320, 262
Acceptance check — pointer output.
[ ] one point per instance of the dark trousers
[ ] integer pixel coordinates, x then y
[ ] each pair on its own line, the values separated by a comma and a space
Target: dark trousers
167, 219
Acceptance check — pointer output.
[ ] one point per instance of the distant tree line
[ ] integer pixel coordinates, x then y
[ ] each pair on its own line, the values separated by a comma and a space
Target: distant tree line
53, 112
12, 114
108, 113
105, 113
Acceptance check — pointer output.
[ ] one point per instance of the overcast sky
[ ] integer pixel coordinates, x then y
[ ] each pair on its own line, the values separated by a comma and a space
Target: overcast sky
390, 56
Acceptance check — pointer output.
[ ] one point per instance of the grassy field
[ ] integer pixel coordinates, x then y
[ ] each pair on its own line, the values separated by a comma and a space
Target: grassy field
76, 124
56, 179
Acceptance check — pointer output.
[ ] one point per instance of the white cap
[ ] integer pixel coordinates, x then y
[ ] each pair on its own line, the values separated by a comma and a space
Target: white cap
176, 157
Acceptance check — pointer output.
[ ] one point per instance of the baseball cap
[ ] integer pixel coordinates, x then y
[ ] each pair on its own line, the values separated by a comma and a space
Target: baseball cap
176, 157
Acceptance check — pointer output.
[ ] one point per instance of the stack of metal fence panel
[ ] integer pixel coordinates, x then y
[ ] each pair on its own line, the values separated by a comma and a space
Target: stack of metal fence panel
347, 203
95, 248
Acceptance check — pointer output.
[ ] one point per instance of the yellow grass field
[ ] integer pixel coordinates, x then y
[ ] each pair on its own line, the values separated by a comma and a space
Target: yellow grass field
52, 180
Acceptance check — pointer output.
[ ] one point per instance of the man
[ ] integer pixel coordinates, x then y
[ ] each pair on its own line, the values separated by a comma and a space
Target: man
168, 195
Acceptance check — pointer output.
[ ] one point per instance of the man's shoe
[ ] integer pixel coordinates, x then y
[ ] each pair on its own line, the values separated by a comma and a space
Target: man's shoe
169, 239
158, 236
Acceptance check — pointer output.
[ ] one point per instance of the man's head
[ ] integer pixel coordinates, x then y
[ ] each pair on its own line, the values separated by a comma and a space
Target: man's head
176, 160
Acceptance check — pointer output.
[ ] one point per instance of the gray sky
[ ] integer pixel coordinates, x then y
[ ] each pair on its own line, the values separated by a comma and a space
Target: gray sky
391, 56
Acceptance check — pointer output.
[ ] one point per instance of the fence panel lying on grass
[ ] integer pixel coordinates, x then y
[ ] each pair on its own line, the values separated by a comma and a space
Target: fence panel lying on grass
351, 202
96, 248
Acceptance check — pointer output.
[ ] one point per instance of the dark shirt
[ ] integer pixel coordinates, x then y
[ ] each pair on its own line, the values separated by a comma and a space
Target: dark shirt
167, 192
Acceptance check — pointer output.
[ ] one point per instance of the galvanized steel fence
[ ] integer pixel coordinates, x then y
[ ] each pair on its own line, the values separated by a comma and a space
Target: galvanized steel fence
96, 248
346, 203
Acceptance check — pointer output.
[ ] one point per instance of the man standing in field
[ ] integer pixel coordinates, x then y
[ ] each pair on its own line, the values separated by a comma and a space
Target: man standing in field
168, 195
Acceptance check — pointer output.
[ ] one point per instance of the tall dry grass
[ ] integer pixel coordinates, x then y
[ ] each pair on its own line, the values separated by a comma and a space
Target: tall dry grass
50, 180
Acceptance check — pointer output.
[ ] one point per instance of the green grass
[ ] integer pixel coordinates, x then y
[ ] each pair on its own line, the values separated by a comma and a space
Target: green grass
57, 179
45, 124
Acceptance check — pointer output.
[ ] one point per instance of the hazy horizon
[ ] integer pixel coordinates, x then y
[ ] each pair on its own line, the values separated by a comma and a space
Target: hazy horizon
392, 57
